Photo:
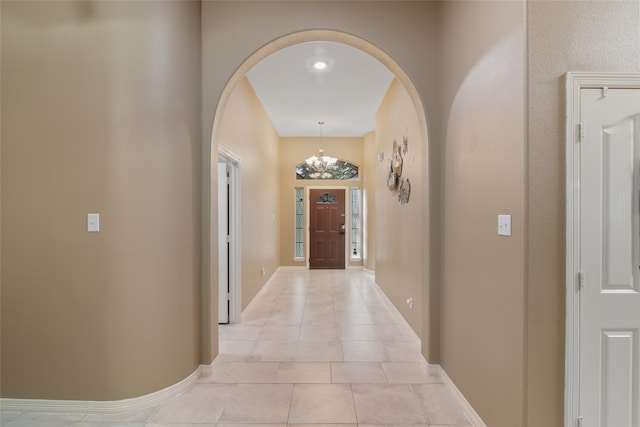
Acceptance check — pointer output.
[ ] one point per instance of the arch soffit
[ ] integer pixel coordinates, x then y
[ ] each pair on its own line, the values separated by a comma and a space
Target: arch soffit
322, 35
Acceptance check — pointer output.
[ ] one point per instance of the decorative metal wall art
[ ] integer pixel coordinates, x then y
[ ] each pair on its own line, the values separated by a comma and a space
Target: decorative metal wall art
404, 192
394, 177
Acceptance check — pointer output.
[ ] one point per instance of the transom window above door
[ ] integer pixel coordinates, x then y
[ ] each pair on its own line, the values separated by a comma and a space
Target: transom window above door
340, 170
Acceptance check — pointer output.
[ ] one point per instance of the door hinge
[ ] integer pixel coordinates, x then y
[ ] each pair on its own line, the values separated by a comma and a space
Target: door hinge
581, 132
228, 239
581, 280
228, 296
580, 421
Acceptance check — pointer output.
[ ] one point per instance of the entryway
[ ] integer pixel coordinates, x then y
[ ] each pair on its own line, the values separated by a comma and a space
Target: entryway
418, 137
603, 241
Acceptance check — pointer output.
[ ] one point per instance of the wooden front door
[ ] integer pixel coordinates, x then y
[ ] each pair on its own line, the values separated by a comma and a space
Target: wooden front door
326, 229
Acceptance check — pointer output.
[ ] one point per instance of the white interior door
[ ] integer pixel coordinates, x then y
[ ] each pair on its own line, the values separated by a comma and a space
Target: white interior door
609, 258
223, 243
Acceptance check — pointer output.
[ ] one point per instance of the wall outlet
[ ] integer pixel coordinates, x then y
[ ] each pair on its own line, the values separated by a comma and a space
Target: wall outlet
263, 272
410, 303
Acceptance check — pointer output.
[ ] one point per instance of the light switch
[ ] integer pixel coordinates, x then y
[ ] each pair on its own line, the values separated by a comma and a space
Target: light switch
504, 225
93, 222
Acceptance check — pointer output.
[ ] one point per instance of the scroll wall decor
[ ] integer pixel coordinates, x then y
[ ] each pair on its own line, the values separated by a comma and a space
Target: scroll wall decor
395, 181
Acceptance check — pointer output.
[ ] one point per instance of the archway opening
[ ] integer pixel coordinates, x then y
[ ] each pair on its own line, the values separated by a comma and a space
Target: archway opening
419, 140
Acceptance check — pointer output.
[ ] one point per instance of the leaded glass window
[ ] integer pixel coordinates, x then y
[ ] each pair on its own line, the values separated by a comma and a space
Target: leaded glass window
355, 223
299, 231
327, 198
341, 170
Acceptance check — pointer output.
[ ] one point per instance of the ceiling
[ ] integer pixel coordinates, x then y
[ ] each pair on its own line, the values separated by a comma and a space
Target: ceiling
345, 95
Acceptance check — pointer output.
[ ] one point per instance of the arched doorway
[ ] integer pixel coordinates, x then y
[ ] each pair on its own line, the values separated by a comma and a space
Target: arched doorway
290, 40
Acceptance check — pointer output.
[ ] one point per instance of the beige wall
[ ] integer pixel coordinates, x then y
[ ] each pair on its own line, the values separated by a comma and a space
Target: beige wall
369, 202
482, 56
562, 36
246, 131
124, 143
293, 151
100, 113
399, 255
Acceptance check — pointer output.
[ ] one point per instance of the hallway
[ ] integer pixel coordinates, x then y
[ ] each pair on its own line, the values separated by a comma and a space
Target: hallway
314, 347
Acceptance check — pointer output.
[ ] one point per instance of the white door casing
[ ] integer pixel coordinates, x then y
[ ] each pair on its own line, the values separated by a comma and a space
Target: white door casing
223, 244
232, 166
603, 251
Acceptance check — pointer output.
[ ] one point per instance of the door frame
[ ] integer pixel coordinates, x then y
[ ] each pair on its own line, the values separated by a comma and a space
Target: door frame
235, 272
347, 221
575, 82
223, 245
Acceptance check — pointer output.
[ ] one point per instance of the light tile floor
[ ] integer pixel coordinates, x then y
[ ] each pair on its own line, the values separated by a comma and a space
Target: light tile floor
314, 347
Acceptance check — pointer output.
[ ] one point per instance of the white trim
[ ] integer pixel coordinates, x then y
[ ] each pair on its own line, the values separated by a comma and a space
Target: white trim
266, 285
290, 267
235, 271
574, 83
228, 155
366, 270
399, 317
212, 368
572, 262
104, 407
468, 410
435, 370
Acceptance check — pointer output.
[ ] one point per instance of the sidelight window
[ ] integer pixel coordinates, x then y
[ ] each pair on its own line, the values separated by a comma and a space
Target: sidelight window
299, 225
355, 223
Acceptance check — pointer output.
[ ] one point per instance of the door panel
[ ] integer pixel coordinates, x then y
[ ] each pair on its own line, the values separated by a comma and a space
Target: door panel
327, 231
320, 219
610, 258
617, 381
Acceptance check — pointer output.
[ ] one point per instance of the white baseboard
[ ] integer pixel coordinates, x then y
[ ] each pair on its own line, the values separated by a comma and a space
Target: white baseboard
304, 267
291, 267
103, 407
436, 370
471, 414
393, 310
265, 286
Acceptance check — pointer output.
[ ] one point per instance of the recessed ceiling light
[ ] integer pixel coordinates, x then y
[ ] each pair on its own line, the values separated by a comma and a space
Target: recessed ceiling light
320, 65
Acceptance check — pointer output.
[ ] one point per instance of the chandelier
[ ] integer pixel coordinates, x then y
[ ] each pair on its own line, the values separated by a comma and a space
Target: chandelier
320, 163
